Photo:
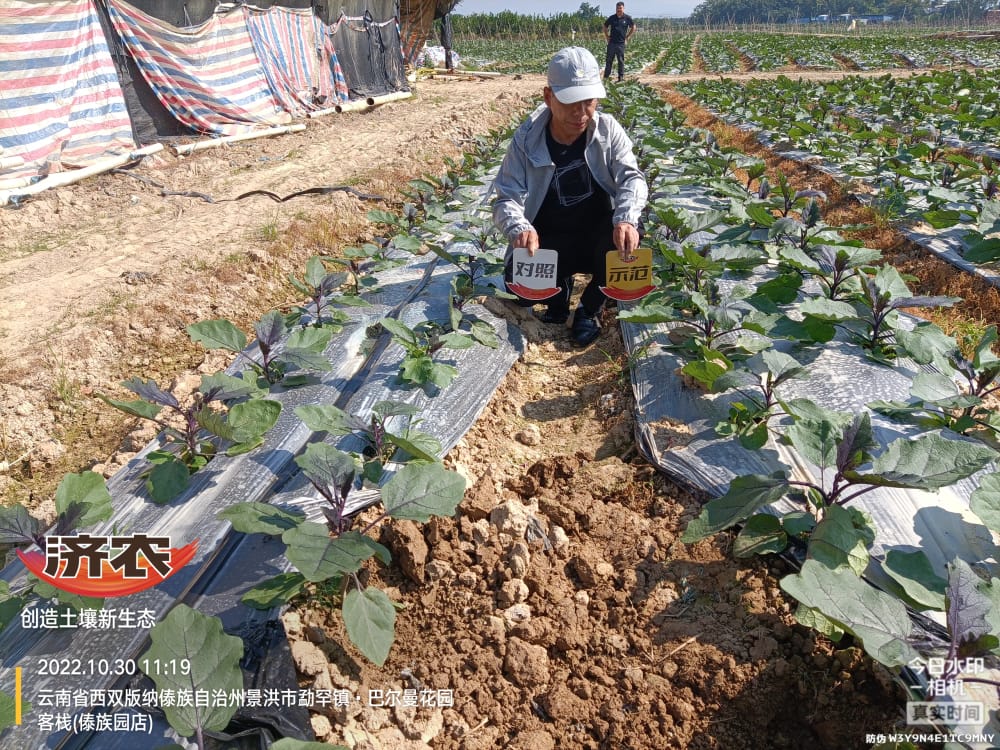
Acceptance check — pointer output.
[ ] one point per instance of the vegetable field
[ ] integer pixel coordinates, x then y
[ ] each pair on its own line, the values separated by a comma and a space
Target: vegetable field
761, 511
719, 52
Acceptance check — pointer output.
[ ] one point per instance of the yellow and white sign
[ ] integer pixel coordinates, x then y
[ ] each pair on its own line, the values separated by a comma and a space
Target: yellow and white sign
629, 280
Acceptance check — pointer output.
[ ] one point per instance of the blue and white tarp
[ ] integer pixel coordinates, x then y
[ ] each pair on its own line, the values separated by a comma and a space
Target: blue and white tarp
61, 105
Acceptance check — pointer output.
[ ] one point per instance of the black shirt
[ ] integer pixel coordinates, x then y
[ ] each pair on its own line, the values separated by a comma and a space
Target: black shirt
574, 203
619, 28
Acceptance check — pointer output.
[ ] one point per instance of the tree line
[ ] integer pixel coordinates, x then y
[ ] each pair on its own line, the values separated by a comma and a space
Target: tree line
587, 21
727, 12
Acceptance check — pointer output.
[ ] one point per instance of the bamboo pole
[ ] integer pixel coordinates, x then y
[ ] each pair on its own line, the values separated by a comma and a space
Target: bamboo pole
189, 148
354, 105
476, 73
394, 96
14, 182
68, 178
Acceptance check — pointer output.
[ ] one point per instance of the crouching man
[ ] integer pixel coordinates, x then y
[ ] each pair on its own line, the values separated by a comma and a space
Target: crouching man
570, 182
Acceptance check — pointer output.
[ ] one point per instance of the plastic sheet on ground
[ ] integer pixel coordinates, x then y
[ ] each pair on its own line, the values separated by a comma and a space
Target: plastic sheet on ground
675, 430
944, 244
228, 564
246, 560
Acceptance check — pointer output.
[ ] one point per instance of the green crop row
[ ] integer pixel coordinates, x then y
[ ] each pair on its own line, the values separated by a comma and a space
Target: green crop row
919, 141
755, 289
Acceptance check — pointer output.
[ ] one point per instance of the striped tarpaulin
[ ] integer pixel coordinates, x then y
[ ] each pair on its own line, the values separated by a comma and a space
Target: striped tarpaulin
290, 43
60, 101
208, 76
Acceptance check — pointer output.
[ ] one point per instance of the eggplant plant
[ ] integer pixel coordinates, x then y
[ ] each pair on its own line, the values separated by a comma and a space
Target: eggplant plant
402, 227
712, 329
786, 198
837, 538
303, 348
981, 240
757, 382
334, 552
81, 500
420, 344
869, 316
843, 450
677, 224
839, 268
361, 264
836, 601
877, 311
480, 260
192, 424
382, 438
956, 397
321, 288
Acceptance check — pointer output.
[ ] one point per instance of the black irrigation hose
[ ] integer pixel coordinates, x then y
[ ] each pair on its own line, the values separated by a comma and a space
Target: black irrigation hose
323, 190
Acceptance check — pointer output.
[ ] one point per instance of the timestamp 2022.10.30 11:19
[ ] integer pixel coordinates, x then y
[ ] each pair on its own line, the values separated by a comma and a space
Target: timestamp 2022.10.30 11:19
114, 667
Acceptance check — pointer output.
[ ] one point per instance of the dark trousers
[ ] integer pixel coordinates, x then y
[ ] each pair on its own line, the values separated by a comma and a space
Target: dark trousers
578, 253
615, 52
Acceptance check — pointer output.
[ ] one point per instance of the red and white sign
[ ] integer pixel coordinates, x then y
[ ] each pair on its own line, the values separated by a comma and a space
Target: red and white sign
534, 277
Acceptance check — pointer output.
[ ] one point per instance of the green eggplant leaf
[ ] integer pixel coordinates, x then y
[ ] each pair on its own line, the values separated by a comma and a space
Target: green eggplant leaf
260, 518
879, 620
745, 496
218, 334
370, 619
190, 652
420, 491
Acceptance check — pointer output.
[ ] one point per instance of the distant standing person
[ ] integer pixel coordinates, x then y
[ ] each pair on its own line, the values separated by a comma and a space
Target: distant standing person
618, 29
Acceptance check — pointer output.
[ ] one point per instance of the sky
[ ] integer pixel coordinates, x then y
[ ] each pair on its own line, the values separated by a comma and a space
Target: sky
635, 8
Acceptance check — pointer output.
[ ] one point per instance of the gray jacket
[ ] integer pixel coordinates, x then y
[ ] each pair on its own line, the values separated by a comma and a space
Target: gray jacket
527, 169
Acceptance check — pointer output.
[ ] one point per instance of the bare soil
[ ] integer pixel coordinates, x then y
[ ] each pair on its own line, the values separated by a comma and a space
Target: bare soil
558, 608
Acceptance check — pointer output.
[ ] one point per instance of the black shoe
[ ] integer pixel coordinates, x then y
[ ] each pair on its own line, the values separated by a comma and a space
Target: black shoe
557, 317
585, 328
621, 80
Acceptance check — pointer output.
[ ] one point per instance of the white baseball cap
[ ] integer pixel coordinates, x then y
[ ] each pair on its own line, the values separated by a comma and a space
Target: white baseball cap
574, 76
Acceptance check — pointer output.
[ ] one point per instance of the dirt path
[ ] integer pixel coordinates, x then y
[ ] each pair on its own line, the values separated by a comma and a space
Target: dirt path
596, 629
618, 636
98, 280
